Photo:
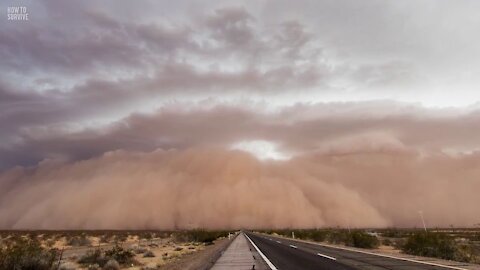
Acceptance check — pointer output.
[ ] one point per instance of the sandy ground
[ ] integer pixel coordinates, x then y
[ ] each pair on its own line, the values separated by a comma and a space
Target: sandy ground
167, 254
164, 251
199, 260
388, 250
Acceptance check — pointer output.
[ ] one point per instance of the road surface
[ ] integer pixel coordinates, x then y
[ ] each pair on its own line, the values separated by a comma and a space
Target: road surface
238, 256
292, 255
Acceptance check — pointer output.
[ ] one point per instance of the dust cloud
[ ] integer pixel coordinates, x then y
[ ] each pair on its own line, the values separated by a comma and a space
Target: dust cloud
217, 188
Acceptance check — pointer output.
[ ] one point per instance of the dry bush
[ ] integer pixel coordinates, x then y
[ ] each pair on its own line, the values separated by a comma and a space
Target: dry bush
202, 236
27, 254
149, 254
430, 244
111, 265
100, 257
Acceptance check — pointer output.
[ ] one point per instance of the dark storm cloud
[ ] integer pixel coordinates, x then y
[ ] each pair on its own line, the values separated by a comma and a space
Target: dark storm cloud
102, 41
117, 60
299, 129
111, 65
99, 43
232, 26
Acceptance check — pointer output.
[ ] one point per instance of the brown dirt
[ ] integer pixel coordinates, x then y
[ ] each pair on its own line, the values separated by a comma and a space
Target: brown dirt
200, 260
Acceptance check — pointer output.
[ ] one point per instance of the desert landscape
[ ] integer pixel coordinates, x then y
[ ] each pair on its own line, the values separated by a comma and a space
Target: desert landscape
110, 249
199, 249
240, 135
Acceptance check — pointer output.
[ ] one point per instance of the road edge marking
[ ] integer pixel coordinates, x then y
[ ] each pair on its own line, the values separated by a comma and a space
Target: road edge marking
326, 256
380, 255
269, 263
393, 257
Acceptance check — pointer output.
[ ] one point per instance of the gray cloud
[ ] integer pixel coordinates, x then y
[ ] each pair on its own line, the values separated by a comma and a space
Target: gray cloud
297, 129
112, 65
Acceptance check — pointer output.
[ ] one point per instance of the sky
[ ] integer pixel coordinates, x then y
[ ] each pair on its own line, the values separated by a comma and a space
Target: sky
272, 113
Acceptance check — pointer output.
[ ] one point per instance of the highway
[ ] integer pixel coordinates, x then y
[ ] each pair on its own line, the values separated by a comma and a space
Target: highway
289, 254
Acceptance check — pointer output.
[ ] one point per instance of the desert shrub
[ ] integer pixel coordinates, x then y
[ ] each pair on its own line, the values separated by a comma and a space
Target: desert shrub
93, 257
399, 243
33, 235
430, 244
314, 235
50, 243
318, 236
467, 253
67, 266
93, 267
145, 235
476, 236
305, 234
150, 266
119, 238
393, 233
111, 265
140, 249
10, 239
105, 238
362, 240
100, 257
149, 254
27, 254
78, 241
387, 242
120, 254
338, 237
354, 238
202, 236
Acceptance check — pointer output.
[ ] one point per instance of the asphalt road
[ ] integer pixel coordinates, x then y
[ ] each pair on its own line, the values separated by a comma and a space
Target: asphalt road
292, 255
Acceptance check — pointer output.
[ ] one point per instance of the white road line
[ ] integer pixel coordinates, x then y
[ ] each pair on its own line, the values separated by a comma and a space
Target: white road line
387, 256
278, 242
269, 263
293, 246
326, 256
398, 258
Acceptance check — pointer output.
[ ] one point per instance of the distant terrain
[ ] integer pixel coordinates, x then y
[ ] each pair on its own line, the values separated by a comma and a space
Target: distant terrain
104, 249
